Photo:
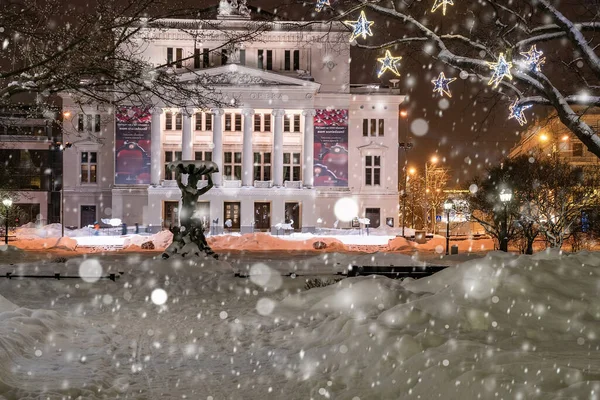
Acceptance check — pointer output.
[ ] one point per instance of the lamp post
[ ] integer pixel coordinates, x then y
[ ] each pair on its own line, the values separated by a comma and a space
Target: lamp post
7, 204
448, 205
505, 197
412, 172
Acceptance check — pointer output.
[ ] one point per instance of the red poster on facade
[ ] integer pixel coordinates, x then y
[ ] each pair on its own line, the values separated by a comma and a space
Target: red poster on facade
132, 145
331, 148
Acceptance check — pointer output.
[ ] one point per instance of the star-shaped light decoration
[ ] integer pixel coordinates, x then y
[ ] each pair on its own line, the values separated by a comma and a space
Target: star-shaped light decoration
360, 27
533, 59
440, 85
321, 4
388, 63
442, 3
516, 112
501, 70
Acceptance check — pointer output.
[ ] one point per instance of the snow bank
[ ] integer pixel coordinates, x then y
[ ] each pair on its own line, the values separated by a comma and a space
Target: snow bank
161, 240
33, 231
500, 327
265, 242
65, 243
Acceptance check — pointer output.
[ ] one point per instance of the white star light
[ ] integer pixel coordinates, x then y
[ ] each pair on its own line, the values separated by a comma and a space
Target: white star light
442, 3
321, 4
533, 59
516, 112
441, 85
388, 63
501, 70
360, 27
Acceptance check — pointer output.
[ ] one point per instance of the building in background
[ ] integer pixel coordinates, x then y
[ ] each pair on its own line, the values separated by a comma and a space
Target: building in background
32, 165
550, 137
300, 137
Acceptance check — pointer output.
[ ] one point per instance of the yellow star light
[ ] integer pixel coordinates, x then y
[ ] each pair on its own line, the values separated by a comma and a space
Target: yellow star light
442, 3
501, 69
441, 85
360, 27
388, 63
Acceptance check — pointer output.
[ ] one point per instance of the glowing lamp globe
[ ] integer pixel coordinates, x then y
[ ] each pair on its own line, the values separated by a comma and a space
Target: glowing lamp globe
448, 205
345, 209
7, 202
505, 195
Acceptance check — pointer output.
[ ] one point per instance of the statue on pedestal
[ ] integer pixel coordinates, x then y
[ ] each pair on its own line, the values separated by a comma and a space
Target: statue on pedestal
189, 239
233, 8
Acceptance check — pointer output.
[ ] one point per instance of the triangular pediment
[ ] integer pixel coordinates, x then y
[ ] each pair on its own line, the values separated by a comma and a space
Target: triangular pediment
240, 75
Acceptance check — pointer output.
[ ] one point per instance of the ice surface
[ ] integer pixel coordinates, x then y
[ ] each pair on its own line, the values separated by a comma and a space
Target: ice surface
503, 326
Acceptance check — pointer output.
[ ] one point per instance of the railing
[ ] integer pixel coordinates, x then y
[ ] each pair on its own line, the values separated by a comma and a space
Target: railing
227, 183
263, 184
292, 184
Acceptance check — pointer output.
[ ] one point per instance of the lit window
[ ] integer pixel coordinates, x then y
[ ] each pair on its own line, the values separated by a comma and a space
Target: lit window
88, 167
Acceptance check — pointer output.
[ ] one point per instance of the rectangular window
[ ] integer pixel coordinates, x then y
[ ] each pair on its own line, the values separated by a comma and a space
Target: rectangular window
238, 122
257, 122
296, 122
260, 62
381, 128
296, 60
168, 121
291, 167
577, 149
287, 123
228, 117
171, 156
88, 123
365, 127
208, 121
372, 170
242, 57
262, 166
232, 165
178, 121
269, 60
373, 127
205, 58
169, 56
88, 167
288, 60
224, 57
267, 122
97, 123
80, 118
179, 58
198, 121
196, 58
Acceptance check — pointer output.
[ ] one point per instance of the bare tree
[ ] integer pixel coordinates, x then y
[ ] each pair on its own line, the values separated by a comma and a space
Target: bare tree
481, 31
96, 54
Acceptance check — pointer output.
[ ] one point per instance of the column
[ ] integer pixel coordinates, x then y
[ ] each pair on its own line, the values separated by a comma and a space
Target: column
247, 154
278, 147
309, 148
155, 156
186, 137
217, 155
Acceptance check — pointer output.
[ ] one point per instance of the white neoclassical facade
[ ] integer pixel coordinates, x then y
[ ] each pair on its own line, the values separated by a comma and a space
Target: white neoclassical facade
297, 138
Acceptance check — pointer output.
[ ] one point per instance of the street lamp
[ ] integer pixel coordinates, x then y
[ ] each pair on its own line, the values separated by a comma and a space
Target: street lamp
505, 197
7, 204
448, 205
412, 171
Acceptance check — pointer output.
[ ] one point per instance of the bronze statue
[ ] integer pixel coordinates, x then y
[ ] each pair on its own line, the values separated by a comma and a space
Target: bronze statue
189, 239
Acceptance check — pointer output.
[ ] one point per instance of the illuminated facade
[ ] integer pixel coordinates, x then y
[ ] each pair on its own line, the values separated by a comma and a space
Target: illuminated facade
299, 137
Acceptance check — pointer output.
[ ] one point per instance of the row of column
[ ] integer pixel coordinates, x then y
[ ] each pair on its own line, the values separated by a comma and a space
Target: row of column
247, 149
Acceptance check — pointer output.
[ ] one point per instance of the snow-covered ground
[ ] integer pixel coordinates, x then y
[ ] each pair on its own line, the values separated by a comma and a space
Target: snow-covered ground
499, 327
